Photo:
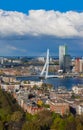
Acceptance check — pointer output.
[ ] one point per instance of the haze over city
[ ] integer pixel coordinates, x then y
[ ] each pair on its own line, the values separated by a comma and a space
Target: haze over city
28, 28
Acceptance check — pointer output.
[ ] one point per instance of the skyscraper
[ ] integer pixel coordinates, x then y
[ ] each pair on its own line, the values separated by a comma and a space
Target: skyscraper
79, 65
62, 53
67, 63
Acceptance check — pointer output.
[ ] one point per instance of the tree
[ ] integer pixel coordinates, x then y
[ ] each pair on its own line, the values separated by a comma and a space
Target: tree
39, 103
55, 124
30, 117
1, 125
16, 116
71, 123
79, 126
31, 126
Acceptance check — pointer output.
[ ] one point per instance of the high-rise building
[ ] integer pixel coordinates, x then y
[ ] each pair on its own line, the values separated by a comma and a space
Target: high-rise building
67, 63
62, 52
79, 65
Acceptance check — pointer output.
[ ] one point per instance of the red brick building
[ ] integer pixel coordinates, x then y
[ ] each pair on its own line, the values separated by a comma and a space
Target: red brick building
61, 108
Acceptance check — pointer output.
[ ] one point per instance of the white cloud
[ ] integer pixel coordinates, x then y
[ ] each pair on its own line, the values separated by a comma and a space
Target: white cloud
41, 22
13, 48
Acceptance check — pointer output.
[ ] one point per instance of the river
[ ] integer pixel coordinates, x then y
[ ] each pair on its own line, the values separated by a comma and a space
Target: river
56, 82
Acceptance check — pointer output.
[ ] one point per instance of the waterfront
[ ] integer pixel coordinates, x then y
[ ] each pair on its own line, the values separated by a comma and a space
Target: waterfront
56, 82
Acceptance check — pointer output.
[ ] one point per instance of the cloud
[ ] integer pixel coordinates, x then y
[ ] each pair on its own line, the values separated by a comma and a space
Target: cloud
13, 48
41, 22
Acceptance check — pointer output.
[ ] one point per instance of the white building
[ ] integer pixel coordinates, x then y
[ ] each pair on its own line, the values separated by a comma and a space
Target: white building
41, 59
10, 87
79, 109
32, 83
78, 89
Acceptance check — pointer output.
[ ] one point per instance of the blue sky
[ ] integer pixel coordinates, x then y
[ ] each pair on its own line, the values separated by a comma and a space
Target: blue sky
25, 5
29, 27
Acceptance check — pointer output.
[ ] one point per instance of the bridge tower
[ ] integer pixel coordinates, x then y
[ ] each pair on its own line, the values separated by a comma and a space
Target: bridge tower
44, 72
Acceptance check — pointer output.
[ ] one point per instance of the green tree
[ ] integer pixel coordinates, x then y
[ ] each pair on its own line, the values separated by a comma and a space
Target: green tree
1, 125
31, 126
16, 116
29, 117
79, 126
71, 123
62, 125
55, 124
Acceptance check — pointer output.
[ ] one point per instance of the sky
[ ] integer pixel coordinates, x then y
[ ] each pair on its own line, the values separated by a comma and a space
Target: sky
29, 27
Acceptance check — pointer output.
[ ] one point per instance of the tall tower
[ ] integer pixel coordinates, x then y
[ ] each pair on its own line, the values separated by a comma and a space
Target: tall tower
46, 66
67, 63
62, 53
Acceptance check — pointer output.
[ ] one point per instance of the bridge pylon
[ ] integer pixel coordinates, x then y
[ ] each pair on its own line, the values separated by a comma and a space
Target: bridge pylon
44, 72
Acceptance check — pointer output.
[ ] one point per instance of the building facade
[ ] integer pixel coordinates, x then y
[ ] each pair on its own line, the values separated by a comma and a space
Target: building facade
62, 52
79, 65
67, 63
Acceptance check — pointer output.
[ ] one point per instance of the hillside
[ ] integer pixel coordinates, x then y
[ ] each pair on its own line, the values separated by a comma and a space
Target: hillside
12, 117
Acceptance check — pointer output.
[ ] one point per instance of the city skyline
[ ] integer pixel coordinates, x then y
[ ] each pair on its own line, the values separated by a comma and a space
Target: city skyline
29, 28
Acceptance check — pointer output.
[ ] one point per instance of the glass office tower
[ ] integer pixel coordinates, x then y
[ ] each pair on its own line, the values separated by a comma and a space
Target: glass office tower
62, 53
67, 63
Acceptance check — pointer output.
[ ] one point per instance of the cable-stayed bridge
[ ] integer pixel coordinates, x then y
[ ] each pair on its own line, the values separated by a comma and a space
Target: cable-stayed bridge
45, 70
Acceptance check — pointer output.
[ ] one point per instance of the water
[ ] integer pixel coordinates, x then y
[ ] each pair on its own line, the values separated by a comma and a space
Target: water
66, 82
